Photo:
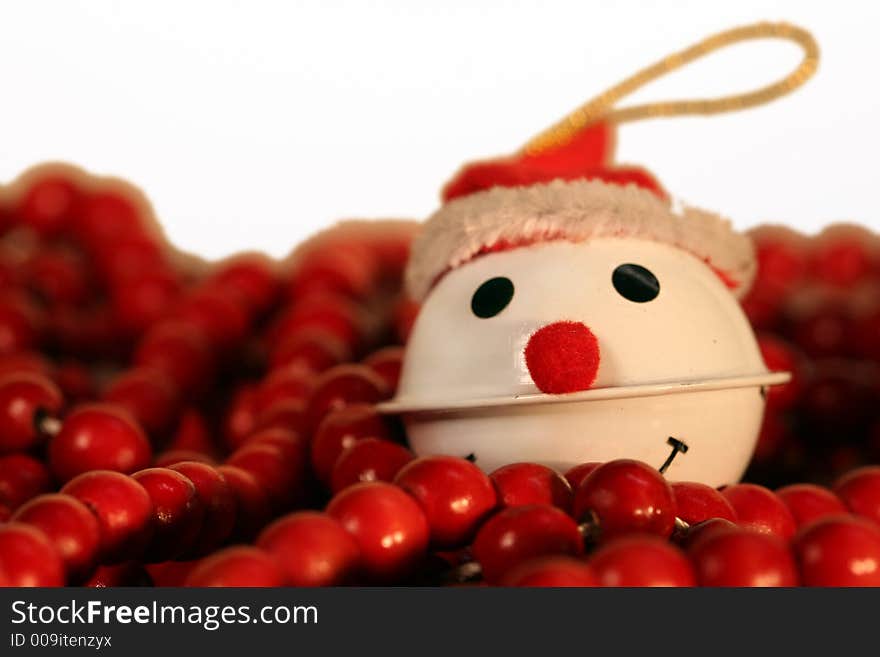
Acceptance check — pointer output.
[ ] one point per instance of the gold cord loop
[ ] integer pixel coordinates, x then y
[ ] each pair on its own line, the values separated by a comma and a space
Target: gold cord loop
601, 107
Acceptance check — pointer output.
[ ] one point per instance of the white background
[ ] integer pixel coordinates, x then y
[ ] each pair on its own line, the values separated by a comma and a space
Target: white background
252, 124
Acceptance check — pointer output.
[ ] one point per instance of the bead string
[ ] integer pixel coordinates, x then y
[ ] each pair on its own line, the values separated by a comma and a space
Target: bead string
602, 106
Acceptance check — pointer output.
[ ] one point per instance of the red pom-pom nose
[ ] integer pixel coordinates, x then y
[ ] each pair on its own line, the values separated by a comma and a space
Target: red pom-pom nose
563, 357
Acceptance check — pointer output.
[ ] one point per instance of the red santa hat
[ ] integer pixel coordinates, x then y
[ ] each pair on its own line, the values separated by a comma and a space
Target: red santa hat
573, 192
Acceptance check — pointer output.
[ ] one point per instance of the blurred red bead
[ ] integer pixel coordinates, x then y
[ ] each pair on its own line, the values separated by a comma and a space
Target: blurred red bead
28, 558
21, 323
71, 528
519, 484
289, 414
741, 557
223, 319
840, 550
252, 277
823, 332
773, 437
282, 385
241, 415
170, 573
25, 362
455, 495
521, 533
253, 506
57, 276
343, 386
404, 318
24, 398
860, 492
238, 566
98, 437
779, 356
143, 300
178, 513
313, 549
574, 476
842, 259
552, 572
75, 381
178, 349
388, 525
387, 363
643, 561
49, 204
311, 350
192, 433
123, 574
130, 257
696, 502
341, 429
21, 478
148, 395
105, 217
626, 496
173, 456
123, 508
370, 459
277, 458
808, 502
759, 509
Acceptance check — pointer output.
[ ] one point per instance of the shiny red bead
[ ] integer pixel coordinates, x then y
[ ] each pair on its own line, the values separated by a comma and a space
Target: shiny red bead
574, 476
253, 506
521, 533
341, 429
455, 495
742, 557
23, 399
519, 484
28, 558
313, 549
237, 567
123, 508
21, 478
808, 502
860, 491
71, 528
98, 437
177, 512
757, 508
552, 572
839, 551
370, 459
388, 526
696, 502
626, 496
216, 498
342, 386
643, 561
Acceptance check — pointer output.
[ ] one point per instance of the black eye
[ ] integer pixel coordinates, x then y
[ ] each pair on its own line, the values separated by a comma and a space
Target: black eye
635, 283
492, 297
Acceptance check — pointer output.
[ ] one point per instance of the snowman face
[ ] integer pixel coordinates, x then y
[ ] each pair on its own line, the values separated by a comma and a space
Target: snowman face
565, 317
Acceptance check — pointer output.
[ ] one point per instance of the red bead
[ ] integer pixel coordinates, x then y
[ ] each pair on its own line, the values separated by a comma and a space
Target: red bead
21, 324
808, 502
551, 572
143, 300
387, 524
237, 567
98, 437
49, 203
696, 532
172, 457
521, 533
221, 318
251, 277
344, 268
455, 495
626, 496
107, 216
340, 430
70, 526
641, 560
193, 434
740, 557
519, 484
23, 398
75, 381
313, 549
309, 351
578, 473
177, 512
21, 478
241, 418
860, 491
216, 498
58, 277
284, 385
696, 502
178, 349
371, 459
779, 356
123, 508
277, 459
27, 557
757, 508
842, 260
170, 573
124, 574
253, 506
25, 362
130, 257
343, 386
148, 395
839, 551
387, 363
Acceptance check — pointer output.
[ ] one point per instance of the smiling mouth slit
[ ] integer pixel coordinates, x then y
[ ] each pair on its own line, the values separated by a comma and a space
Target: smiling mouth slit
678, 446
